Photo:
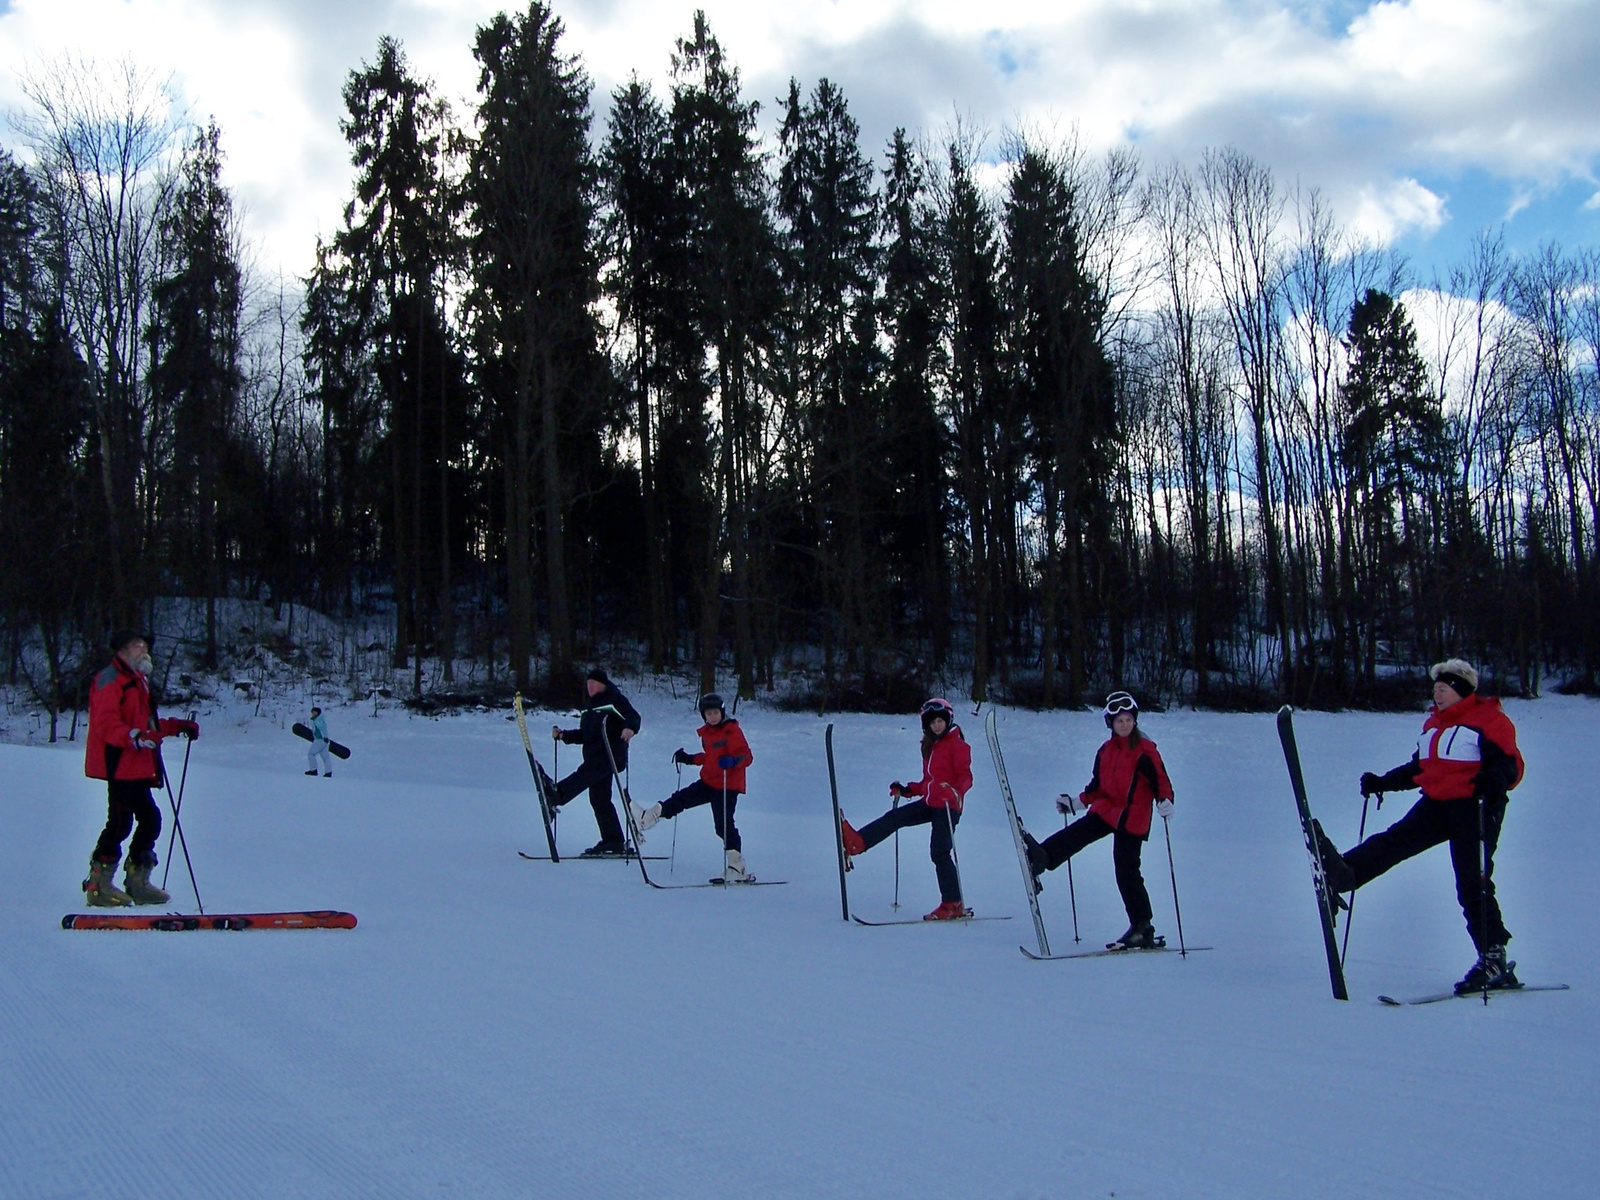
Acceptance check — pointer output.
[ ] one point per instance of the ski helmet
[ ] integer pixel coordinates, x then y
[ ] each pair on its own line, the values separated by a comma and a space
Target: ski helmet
712, 700
1120, 702
938, 707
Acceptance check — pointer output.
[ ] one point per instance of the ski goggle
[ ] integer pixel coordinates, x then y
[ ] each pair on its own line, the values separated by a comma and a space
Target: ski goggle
1120, 702
938, 708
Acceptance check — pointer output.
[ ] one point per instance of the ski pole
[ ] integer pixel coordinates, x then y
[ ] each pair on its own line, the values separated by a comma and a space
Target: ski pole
896, 806
1350, 913
177, 829
1072, 892
1483, 891
672, 860
1183, 951
183, 778
724, 818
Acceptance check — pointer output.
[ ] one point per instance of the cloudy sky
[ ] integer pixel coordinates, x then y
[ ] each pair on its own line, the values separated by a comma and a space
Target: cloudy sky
1424, 121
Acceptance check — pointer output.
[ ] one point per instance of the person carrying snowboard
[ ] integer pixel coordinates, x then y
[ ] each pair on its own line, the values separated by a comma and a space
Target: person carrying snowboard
124, 748
1465, 763
1128, 787
606, 717
319, 745
946, 779
724, 754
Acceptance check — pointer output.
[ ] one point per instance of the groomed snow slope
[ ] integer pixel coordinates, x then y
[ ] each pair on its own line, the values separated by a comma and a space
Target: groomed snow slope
501, 1028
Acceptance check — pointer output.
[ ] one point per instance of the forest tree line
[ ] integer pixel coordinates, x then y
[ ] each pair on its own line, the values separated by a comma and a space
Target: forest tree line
766, 403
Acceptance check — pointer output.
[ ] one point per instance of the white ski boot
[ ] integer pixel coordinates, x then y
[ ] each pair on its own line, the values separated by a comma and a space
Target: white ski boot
734, 871
645, 818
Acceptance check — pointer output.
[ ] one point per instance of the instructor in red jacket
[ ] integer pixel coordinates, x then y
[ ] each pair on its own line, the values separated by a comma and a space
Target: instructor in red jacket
1465, 762
124, 749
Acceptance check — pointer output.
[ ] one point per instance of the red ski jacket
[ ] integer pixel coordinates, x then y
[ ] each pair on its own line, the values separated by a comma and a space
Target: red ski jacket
1466, 749
1128, 780
717, 741
946, 772
119, 709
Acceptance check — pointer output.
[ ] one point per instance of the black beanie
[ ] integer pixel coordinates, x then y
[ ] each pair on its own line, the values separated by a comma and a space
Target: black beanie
122, 637
598, 674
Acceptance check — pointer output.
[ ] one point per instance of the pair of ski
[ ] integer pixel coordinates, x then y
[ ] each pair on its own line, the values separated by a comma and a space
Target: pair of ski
1327, 904
844, 860
318, 919
547, 814
1019, 840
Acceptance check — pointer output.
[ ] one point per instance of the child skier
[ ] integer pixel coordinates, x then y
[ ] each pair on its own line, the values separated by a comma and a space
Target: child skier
946, 779
124, 748
724, 754
1129, 783
1465, 762
319, 745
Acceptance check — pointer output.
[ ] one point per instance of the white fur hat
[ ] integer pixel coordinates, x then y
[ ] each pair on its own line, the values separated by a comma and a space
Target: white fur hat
1458, 667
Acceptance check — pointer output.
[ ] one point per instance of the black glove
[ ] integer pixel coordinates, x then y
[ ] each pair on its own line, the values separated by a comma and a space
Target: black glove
683, 756
1371, 784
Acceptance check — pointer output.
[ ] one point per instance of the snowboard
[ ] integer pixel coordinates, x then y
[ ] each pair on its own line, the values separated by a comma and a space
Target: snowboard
1319, 879
538, 780
304, 731
319, 919
838, 825
1016, 834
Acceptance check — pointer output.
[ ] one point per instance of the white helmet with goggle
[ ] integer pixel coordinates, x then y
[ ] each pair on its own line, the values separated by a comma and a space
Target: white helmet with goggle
1119, 702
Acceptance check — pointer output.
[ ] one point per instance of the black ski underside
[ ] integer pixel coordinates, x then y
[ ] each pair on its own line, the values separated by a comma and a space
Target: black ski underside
1111, 953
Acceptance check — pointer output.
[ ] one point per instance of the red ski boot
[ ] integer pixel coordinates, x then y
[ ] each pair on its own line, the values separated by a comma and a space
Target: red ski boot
950, 910
853, 844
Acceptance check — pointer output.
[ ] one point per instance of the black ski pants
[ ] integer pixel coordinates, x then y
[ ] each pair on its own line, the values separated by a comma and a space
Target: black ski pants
722, 805
1126, 851
1455, 821
941, 840
596, 777
127, 801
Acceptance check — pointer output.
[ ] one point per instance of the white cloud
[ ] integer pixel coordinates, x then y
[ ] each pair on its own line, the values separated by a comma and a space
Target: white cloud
1410, 89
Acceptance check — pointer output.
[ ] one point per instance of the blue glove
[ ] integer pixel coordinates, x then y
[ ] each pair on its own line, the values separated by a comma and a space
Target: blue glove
728, 762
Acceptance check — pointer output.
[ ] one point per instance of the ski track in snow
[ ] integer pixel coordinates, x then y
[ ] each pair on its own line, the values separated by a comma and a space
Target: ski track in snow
504, 1028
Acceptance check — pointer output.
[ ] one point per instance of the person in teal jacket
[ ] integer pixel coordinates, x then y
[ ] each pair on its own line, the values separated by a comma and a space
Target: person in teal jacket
319, 745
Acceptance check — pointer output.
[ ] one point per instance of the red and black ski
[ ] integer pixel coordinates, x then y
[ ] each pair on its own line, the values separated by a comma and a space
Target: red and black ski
320, 919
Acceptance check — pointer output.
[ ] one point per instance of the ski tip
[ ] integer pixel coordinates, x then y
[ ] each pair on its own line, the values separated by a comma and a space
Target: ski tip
1391, 1002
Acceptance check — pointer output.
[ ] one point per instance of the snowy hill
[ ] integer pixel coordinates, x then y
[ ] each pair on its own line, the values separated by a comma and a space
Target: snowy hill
503, 1028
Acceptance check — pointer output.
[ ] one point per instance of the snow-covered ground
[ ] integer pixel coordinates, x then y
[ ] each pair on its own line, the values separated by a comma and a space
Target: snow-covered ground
502, 1028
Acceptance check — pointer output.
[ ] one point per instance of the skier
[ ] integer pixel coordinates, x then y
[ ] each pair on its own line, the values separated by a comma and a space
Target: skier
124, 749
319, 745
946, 779
1465, 762
724, 754
606, 716
1129, 784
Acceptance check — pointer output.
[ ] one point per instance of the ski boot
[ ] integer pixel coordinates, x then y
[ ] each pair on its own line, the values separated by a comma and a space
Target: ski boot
605, 849
100, 889
734, 871
853, 845
949, 910
1490, 973
312, 772
644, 818
1038, 860
1141, 935
136, 882
1340, 875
